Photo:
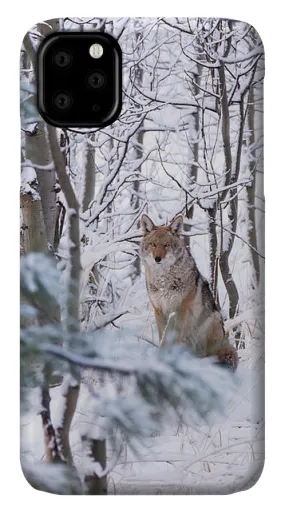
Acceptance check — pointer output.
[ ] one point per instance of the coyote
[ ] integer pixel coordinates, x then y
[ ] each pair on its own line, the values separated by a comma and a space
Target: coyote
180, 296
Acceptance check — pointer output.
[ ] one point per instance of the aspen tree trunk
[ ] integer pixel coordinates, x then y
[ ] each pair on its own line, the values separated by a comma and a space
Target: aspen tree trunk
37, 151
33, 228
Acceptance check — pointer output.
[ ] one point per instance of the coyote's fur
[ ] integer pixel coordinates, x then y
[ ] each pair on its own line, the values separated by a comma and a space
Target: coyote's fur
180, 296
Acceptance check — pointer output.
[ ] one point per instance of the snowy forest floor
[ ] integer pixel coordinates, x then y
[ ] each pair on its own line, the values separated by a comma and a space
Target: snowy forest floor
222, 458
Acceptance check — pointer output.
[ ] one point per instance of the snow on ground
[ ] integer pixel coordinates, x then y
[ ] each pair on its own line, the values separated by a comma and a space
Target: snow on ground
222, 458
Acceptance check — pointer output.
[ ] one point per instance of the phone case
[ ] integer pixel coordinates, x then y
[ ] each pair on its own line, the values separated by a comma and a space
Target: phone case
142, 269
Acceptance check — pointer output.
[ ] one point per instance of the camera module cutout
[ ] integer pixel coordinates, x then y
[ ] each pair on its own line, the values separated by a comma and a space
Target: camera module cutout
79, 79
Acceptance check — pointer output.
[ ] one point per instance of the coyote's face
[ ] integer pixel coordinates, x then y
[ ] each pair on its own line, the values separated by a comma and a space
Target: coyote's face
160, 245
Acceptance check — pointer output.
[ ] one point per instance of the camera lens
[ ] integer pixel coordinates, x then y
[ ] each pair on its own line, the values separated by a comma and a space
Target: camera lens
96, 80
62, 100
62, 58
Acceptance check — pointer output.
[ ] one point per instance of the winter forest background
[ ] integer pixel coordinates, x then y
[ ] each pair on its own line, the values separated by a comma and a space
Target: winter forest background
104, 410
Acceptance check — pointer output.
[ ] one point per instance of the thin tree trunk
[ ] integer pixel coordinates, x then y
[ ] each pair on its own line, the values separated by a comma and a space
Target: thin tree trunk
138, 153
194, 155
53, 454
71, 385
97, 448
195, 134
224, 257
214, 255
95, 483
225, 114
252, 188
135, 202
70, 393
89, 179
233, 214
73, 230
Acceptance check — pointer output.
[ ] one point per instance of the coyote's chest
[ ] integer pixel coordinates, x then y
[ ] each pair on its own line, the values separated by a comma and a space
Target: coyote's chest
166, 288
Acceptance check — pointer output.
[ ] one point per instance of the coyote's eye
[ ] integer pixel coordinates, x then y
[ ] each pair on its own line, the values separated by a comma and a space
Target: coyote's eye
167, 245
153, 244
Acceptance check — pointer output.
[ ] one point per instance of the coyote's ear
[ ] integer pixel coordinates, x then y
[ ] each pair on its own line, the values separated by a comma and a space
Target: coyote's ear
176, 225
147, 225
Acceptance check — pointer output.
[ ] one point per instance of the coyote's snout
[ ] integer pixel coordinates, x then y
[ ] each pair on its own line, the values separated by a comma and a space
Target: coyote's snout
175, 286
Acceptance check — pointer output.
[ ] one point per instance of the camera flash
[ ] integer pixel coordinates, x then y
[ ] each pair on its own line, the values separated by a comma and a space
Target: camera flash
96, 51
